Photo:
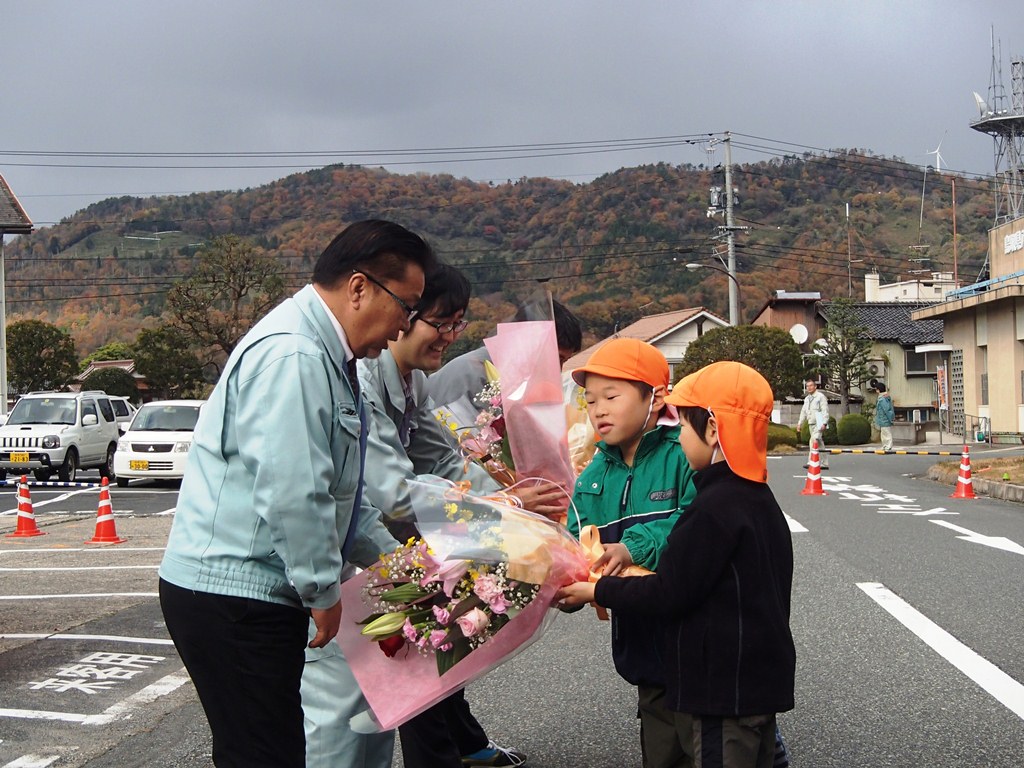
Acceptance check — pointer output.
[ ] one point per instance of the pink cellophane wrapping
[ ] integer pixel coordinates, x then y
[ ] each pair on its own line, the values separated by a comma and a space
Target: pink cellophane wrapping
537, 551
526, 356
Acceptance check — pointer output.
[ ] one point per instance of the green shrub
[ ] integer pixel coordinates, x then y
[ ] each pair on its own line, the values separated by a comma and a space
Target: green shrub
854, 429
779, 434
830, 437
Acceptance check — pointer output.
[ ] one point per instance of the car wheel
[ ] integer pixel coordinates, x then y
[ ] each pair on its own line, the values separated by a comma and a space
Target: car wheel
122, 482
107, 469
69, 469
42, 475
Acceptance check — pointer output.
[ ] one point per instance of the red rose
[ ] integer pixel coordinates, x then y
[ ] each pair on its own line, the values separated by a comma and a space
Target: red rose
391, 645
498, 425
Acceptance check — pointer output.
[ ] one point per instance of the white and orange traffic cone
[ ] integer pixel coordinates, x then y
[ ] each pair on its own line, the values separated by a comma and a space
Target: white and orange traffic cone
106, 532
26, 517
813, 485
964, 487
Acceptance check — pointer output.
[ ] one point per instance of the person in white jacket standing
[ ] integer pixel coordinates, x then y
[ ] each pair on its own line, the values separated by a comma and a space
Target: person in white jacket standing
815, 415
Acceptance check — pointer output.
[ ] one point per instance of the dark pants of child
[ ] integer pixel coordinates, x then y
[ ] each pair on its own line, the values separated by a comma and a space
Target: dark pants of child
733, 742
440, 736
660, 740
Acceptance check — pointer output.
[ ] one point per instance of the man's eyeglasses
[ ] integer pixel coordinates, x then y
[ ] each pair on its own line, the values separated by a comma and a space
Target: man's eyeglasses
458, 326
410, 313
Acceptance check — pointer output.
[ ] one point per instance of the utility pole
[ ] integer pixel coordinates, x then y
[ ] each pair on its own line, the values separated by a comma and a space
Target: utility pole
734, 294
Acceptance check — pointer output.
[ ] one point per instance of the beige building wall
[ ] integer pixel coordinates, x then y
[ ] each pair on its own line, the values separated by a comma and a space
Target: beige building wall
989, 328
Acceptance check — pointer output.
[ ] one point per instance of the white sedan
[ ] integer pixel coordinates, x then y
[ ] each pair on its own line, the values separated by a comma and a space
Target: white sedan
157, 441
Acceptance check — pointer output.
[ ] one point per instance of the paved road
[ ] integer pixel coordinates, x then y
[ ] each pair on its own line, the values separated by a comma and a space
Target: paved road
906, 616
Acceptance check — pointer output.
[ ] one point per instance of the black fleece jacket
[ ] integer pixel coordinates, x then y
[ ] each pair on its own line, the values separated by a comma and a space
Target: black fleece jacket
722, 596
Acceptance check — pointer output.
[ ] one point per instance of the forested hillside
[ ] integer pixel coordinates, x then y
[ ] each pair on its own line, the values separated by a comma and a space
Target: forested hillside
612, 249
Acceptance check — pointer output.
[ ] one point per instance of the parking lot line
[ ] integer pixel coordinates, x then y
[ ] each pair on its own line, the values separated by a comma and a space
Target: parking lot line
78, 595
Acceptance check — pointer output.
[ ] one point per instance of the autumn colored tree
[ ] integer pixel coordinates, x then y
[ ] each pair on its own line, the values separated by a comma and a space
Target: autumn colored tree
40, 356
233, 285
166, 358
770, 351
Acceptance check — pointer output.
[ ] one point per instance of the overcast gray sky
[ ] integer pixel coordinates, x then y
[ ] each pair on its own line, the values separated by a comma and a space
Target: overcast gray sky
400, 80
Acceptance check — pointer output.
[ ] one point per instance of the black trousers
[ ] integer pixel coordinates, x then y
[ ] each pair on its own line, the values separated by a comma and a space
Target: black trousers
440, 736
245, 657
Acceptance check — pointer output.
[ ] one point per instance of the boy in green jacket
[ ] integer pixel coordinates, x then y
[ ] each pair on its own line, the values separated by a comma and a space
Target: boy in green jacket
633, 491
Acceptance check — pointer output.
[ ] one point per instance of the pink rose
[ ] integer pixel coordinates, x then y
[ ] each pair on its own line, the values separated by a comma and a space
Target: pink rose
473, 622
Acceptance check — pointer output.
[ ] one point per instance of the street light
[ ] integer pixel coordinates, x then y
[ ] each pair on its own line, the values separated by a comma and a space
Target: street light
733, 314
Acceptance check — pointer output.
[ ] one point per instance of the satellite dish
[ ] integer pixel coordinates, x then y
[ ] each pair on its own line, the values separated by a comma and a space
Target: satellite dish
799, 333
819, 346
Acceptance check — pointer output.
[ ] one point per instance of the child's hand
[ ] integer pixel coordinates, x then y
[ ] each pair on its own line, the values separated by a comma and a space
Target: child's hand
615, 559
580, 593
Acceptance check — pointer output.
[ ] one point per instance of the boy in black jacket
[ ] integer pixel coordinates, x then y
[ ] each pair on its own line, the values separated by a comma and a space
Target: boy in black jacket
724, 579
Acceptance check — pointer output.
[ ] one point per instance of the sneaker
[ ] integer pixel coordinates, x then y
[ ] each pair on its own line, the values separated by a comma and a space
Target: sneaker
493, 754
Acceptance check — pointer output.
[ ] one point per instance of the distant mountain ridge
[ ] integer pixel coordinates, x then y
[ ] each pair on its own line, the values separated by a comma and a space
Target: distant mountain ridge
613, 249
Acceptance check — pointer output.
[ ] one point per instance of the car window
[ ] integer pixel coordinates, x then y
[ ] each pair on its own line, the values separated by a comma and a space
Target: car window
166, 418
106, 409
120, 407
88, 406
43, 410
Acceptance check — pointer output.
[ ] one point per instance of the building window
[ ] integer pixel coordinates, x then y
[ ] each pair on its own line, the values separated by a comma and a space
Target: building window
922, 363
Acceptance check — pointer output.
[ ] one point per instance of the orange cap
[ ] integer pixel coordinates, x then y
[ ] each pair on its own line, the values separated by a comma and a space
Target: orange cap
741, 401
629, 359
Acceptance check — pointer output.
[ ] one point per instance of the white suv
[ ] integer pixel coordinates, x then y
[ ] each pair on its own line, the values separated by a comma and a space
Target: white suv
60, 432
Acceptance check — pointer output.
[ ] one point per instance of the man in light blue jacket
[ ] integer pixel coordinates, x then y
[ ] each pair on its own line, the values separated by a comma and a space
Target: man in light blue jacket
270, 508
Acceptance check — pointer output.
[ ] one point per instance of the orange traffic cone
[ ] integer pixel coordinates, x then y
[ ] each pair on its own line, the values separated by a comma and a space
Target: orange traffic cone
106, 533
26, 517
813, 485
964, 488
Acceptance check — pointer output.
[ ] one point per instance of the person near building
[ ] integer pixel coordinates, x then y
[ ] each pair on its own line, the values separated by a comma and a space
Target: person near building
271, 507
815, 415
885, 415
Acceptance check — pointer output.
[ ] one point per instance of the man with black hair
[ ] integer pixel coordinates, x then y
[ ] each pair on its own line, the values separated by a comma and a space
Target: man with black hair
271, 508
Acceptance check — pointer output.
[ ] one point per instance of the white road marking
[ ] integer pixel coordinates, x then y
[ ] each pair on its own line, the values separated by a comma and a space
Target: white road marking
44, 502
147, 695
104, 638
794, 526
1000, 685
84, 568
32, 761
999, 542
76, 596
60, 550
39, 714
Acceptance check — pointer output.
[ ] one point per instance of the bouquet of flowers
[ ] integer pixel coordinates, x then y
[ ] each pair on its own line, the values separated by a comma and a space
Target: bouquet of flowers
441, 608
447, 608
481, 434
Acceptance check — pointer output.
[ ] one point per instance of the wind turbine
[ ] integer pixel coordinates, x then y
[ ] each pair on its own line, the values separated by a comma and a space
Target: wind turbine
938, 155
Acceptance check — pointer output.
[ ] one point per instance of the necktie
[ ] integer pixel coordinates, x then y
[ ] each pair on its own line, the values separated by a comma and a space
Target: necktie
353, 377
405, 430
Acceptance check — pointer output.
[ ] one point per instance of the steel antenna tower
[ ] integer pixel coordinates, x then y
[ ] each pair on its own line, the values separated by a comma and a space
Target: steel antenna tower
1005, 124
